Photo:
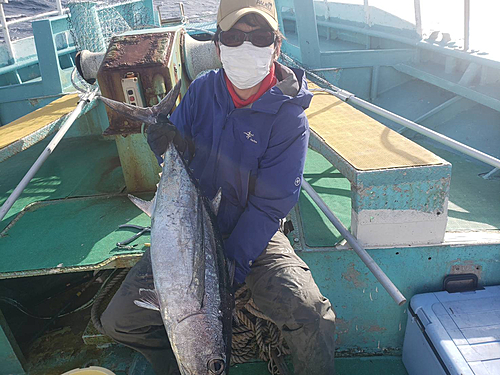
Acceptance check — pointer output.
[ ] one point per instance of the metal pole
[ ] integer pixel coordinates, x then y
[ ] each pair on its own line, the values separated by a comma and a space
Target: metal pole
6, 34
351, 98
366, 8
485, 158
418, 17
393, 291
59, 7
466, 24
45, 153
476, 154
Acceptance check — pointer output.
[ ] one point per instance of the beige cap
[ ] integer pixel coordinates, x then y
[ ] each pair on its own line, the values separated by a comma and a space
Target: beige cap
230, 11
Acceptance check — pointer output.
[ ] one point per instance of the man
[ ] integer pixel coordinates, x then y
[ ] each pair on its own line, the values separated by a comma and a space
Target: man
250, 134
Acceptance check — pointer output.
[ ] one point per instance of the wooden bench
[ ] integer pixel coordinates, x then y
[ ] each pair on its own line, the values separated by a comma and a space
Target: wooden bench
35, 126
399, 190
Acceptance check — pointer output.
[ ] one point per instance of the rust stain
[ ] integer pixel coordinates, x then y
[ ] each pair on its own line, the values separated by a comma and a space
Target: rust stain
352, 276
342, 328
143, 57
376, 328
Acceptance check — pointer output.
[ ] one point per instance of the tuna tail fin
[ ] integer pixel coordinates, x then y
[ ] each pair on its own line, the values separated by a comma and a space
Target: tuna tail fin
216, 202
148, 115
149, 299
145, 206
167, 103
132, 112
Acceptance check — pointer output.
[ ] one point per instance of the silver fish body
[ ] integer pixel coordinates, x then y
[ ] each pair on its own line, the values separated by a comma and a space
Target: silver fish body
191, 278
190, 273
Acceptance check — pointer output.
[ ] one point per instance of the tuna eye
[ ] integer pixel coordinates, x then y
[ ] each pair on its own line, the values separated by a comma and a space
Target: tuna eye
216, 366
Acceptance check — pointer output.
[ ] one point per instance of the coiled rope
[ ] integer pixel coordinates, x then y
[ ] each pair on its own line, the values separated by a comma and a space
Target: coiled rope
255, 336
107, 291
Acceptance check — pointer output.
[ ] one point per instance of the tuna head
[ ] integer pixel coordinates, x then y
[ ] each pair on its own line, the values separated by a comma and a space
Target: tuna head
202, 353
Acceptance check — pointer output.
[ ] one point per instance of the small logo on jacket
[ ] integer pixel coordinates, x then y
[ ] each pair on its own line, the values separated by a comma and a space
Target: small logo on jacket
297, 181
250, 136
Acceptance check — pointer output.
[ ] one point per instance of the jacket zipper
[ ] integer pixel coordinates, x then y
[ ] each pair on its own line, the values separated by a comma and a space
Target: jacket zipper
216, 170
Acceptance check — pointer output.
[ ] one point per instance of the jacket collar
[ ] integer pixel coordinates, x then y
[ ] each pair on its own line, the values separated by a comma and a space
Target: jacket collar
291, 87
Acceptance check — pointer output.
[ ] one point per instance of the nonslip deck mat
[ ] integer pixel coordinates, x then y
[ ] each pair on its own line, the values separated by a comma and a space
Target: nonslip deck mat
362, 141
75, 232
474, 201
36, 120
335, 190
78, 167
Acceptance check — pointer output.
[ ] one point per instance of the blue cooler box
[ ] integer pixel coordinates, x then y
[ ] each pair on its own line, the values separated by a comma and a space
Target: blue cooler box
454, 333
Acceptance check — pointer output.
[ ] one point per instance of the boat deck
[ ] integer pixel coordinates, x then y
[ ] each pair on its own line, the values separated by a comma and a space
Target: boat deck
83, 190
80, 190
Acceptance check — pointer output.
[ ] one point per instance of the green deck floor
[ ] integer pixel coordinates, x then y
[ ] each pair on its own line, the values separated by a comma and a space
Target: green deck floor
78, 167
89, 167
74, 232
474, 201
61, 231
335, 190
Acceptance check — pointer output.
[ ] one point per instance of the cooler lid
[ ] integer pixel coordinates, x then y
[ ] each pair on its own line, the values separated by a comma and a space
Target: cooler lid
464, 328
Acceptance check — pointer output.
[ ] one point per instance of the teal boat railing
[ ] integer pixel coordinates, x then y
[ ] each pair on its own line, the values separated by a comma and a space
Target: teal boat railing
42, 67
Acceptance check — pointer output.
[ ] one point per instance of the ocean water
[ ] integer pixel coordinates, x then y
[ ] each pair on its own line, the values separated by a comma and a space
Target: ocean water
169, 8
442, 15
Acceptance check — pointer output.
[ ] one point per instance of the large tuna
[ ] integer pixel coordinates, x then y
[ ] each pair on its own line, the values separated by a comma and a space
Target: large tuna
192, 286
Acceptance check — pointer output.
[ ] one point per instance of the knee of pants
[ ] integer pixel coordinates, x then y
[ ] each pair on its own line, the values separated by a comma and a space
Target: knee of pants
108, 324
311, 316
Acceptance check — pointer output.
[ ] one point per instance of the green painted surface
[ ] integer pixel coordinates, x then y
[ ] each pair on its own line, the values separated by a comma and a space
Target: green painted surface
368, 320
423, 188
78, 167
10, 356
335, 190
70, 232
474, 201
387, 365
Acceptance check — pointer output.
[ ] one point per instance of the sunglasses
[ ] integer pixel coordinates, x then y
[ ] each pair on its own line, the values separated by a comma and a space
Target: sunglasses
235, 38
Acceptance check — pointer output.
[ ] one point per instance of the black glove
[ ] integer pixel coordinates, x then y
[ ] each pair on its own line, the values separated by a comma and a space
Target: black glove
160, 135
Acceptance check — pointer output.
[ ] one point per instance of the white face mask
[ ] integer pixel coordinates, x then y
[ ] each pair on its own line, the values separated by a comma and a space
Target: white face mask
246, 65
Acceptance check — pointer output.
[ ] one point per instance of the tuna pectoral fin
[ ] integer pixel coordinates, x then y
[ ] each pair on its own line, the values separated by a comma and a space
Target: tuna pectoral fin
216, 202
144, 206
149, 299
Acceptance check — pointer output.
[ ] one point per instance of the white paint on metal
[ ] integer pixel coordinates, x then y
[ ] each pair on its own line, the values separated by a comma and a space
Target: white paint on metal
398, 227
482, 237
59, 6
6, 34
199, 56
366, 8
466, 24
418, 17
36, 17
90, 62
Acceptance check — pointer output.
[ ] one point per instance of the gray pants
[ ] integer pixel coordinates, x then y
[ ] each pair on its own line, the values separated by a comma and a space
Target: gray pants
282, 288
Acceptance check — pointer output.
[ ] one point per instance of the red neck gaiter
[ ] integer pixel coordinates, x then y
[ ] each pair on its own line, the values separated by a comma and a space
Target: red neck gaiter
266, 84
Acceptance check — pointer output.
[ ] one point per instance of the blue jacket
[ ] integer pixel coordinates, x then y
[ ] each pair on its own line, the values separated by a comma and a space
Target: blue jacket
255, 154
